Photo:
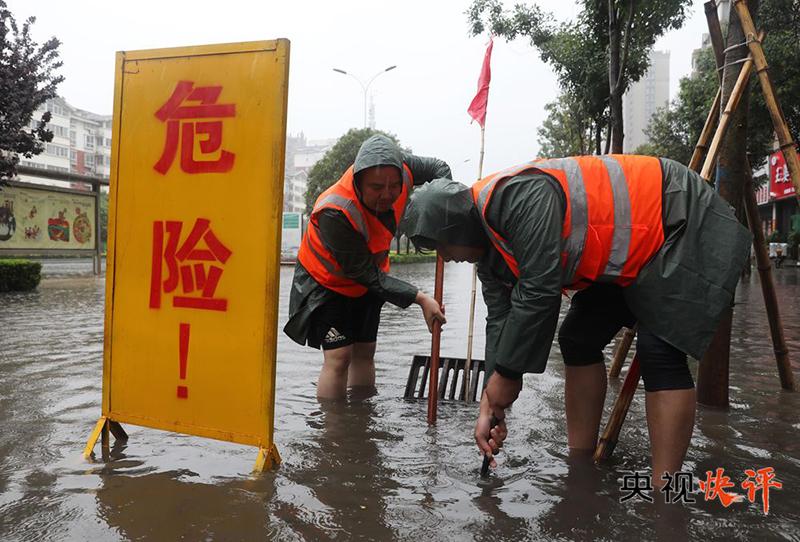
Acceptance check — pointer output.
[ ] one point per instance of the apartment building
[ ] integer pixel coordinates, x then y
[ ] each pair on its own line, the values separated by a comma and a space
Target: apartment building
81, 141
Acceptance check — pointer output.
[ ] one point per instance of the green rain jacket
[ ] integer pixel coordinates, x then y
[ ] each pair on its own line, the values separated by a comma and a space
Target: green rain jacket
679, 295
350, 248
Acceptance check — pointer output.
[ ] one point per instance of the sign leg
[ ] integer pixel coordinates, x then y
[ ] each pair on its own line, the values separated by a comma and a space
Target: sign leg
117, 430
267, 459
101, 431
98, 429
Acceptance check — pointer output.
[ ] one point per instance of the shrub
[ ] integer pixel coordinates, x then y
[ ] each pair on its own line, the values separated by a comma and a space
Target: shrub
412, 257
19, 275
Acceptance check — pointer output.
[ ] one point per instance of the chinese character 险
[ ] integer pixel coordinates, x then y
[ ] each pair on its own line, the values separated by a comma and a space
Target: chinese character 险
186, 265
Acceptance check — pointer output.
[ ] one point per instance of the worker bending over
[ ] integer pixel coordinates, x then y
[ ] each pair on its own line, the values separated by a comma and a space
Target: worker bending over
641, 239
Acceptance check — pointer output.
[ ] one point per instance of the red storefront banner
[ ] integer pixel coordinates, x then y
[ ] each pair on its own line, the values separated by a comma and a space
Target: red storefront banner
780, 184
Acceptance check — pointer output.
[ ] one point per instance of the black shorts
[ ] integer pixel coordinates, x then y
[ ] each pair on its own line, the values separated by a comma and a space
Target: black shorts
342, 321
594, 318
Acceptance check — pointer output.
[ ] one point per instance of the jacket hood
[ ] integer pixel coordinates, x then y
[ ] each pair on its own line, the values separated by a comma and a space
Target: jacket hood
378, 150
442, 211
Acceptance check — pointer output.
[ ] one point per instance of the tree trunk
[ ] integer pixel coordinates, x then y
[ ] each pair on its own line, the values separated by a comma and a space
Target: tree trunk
617, 131
614, 66
598, 137
712, 374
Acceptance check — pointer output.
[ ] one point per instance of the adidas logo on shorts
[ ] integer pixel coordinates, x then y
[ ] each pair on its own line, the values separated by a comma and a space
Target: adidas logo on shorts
334, 336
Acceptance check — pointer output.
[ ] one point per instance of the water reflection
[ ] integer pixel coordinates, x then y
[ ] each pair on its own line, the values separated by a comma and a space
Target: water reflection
346, 475
169, 506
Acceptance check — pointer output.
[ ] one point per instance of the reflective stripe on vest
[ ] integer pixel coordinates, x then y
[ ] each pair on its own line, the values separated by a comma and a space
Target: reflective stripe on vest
341, 196
605, 237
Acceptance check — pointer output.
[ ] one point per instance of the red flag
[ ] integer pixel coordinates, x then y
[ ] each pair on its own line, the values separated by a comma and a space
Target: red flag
477, 109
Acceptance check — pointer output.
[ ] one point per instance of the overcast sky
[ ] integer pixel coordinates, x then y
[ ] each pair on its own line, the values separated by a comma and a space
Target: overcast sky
423, 101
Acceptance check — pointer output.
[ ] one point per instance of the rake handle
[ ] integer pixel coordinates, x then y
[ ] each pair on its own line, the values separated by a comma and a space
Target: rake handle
433, 383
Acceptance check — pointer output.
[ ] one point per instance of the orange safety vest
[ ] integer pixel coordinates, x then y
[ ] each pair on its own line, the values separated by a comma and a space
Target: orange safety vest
612, 226
319, 261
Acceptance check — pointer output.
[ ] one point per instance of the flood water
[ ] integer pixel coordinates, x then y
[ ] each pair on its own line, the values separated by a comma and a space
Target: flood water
369, 470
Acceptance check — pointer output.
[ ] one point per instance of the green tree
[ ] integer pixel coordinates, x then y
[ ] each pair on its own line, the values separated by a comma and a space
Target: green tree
674, 131
27, 80
597, 56
336, 161
568, 130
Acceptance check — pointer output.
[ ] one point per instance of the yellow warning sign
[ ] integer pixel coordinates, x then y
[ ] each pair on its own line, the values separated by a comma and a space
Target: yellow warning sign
194, 241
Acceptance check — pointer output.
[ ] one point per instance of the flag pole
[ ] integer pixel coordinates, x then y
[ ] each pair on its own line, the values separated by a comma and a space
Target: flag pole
477, 110
468, 364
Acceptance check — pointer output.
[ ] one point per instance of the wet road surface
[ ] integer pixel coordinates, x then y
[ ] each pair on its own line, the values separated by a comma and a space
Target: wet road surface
368, 470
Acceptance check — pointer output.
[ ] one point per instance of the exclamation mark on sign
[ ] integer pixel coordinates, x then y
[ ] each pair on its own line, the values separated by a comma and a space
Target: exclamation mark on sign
183, 351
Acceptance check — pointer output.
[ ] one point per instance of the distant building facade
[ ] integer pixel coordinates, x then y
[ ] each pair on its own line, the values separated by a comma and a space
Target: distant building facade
644, 98
81, 141
301, 155
705, 43
777, 200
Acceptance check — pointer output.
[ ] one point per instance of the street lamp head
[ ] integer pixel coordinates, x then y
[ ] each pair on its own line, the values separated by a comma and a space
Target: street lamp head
390, 68
339, 71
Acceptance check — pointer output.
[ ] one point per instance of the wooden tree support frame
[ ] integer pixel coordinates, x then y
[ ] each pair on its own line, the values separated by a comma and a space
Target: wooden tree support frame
768, 288
608, 441
610, 435
726, 116
621, 351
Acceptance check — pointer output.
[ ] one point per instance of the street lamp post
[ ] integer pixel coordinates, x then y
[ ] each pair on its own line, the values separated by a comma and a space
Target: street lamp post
365, 87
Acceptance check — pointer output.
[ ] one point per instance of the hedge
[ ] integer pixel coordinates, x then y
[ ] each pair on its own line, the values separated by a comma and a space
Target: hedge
19, 275
412, 257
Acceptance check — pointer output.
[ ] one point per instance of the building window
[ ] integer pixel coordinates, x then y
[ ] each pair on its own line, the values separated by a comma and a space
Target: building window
57, 150
56, 109
57, 130
32, 164
88, 141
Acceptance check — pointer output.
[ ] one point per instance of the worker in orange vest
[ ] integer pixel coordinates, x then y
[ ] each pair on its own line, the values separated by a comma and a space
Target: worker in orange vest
341, 279
642, 239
